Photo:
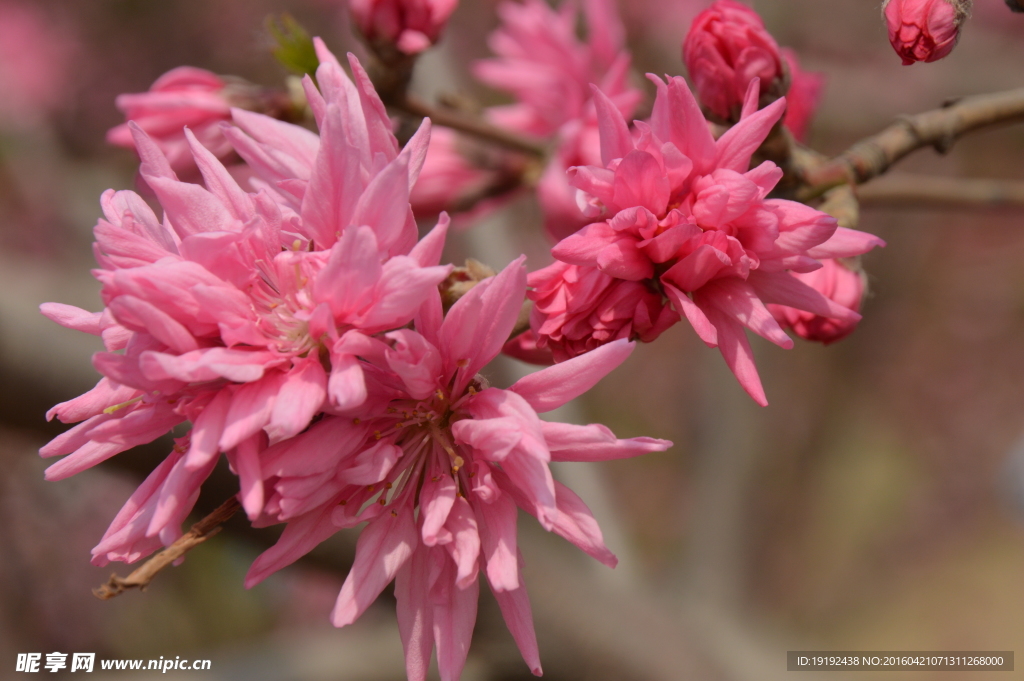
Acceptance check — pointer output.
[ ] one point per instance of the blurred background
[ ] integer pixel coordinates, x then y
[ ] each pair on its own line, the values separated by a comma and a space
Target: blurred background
876, 504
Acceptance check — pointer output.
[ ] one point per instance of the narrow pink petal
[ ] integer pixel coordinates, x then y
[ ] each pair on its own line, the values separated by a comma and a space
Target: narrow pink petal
698, 320
384, 205
595, 442
383, 547
251, 406
105, 394
492, 438
139, 315
845, 243
300, 536
73, 317
415, 613
616, 141
219, 181
454, 618
371, 465
436, 500
300, 398
576, 523
735, 148
750, 98
464, 548
735, 349
334, 184
207, 431
518, 616
498, 542
346, 386
427, 252
378, 123
738, 299
553, 386
781, 288
479, 323
153, 161
246, 461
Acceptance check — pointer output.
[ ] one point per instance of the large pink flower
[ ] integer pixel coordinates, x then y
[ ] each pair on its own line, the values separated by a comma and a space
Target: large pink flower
924, 30
182, 97
244, 312
679, 212
437, 462
726, 48
410, 25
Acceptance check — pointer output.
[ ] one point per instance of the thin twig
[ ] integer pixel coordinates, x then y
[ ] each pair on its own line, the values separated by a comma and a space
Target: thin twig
939, 128
470, 125
904, 188
200, 532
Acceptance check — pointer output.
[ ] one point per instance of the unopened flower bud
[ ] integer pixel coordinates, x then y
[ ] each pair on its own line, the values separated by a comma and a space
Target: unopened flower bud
841, 282
924, 30
410, 25
726, 48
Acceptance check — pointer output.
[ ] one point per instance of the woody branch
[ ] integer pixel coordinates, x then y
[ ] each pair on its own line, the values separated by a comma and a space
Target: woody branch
938, 128
200, 532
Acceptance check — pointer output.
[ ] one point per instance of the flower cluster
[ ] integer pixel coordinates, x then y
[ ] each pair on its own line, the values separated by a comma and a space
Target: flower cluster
683, 228
299, 328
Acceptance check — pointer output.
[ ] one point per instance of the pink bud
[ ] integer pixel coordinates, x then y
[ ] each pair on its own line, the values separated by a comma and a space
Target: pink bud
924, 30
726, 48
839, 283
410, 25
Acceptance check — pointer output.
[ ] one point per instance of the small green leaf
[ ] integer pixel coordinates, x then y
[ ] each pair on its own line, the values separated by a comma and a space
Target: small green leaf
293, 47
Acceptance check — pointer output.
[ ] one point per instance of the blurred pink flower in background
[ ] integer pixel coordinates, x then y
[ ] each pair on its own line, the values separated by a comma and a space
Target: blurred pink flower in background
804, 94
35, 61
547, 68
924, 30
410, 25
182, 97
727, 47
438, 463
842, 284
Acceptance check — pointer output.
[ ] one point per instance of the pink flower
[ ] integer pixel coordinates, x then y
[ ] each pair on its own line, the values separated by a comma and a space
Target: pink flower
680, 213
239, 312
840, 283
924, 30
183, 97
578, 309
549, 70
438, 462
802, 99
726, 48
410, 25
35, 62
455, 172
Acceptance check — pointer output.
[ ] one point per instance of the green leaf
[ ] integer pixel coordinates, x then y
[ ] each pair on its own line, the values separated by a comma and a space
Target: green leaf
293, 47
